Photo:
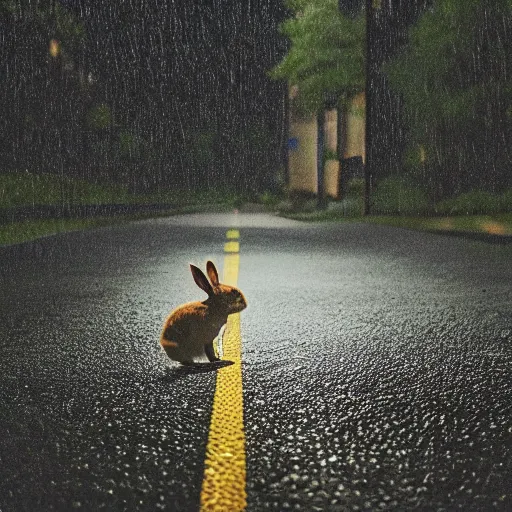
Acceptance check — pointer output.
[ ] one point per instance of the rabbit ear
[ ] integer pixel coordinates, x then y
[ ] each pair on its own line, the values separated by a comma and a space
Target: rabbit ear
201, 279
212, 273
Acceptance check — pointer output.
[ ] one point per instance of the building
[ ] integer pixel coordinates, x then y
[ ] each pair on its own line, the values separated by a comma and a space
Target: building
303, 146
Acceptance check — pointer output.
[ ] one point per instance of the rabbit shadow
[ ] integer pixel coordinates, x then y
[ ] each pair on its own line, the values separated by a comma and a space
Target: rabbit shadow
176, 373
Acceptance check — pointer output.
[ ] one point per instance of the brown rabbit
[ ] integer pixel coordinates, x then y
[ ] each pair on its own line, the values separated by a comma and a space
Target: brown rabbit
190, 329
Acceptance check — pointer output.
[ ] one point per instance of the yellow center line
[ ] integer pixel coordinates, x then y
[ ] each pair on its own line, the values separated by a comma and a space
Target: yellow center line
224, 478
231, 247
233, 234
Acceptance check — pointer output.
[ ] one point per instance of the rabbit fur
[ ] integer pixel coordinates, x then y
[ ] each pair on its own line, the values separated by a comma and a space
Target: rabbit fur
190, 329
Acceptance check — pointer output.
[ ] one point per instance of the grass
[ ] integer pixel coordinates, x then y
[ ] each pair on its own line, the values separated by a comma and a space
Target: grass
320, 216
398, 202
18, 232
496, 224
499, 224
22, 189
25, 189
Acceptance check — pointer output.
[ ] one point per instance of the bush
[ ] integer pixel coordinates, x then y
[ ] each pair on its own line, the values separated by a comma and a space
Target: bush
470, 203
329, 154
270, 199
355, 188
302, 200
506, 200
23, 189
397, 195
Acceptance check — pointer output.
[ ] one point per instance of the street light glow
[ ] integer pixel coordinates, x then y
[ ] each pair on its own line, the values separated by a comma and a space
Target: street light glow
54, 48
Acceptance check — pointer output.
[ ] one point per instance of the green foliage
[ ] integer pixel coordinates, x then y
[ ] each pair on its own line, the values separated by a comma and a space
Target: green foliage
302, 201
441, 74
69, 29
476, 202
506, 200
99, 117
46, 17
355, 187
455, 78
326, 53
470, 203
491, 224
357, 110
397, 195
18, 232
270, 199
329, 154
128, 144
24, 189
131, 148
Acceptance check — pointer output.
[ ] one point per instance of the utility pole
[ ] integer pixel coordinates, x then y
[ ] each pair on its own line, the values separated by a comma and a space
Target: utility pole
368, 170
369, 109
350, 8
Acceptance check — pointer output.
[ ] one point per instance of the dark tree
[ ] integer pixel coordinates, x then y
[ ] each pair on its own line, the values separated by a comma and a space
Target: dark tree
388, 23
455, 80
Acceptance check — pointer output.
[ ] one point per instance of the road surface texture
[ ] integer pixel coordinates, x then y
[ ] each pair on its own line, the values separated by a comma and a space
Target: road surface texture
376, 368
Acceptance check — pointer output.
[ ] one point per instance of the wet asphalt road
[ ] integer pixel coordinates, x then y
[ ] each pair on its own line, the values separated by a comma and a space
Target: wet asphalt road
376, 368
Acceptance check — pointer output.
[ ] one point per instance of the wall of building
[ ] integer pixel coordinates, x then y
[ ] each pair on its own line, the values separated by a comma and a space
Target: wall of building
302, 155
354, 143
